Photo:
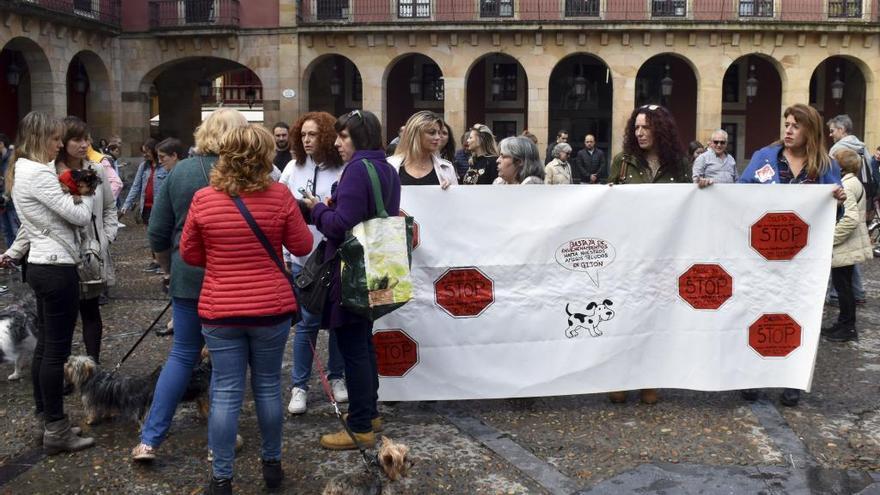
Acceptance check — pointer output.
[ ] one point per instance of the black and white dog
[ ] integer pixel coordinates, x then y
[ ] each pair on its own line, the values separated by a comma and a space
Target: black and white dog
595, 314
18, 333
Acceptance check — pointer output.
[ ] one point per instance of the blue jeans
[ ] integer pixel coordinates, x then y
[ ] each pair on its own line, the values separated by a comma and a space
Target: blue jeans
304, 340
857, 286
184, 355
10, 224
232, 350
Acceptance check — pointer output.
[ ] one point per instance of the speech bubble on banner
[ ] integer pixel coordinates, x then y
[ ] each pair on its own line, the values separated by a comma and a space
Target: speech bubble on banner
586, 254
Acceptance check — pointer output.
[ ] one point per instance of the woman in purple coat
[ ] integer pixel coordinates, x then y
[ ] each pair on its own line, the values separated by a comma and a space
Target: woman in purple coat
359, 139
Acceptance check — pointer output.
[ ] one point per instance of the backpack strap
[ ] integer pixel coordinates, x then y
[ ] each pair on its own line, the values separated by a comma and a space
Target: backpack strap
376, 188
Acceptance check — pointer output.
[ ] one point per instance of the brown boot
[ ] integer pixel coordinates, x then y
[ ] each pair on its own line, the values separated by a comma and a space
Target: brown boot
375, 423
341, 440
649, 396
58, 438
617, 397
40, 428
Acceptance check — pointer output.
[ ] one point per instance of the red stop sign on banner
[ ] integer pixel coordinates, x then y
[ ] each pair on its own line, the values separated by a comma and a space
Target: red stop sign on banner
779, 236
415, 241
775, 335
705, 286
464, 292
396, 352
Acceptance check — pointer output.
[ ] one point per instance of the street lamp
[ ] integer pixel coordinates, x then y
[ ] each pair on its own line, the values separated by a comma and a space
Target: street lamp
580, 84
80, 81
205, 88
335, 83
837, 86
415, 85
496, 82
751, 84
13, 72
250, 96
666, 84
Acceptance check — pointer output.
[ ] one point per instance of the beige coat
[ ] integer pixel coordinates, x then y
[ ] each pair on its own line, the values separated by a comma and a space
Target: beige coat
557, 172
851, 242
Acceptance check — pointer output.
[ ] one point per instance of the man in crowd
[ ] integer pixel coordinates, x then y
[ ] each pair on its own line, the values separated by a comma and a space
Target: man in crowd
282, 145
392, 146
715, 163
561, 137
589, 165
840, 130
8, 218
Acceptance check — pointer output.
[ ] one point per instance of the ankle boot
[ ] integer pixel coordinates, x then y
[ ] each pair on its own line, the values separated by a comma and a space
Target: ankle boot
273, 475
219, 486
40, 428
59, 437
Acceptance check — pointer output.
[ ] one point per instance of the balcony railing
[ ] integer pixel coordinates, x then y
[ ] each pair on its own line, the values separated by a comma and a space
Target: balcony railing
238, 95
669, 8
581, 8
193, 14
105, 12
756, 8
376, 12
844, 8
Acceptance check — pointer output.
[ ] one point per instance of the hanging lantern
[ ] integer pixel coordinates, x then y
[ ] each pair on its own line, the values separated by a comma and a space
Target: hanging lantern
666, 84
250, 96
837, 86
496, 82
335, 83
580, 86
13, 73
415, 85
80, 82
751, 84
205, 88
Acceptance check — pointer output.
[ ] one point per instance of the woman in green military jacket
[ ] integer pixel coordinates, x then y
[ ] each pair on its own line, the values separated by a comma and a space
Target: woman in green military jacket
652, 152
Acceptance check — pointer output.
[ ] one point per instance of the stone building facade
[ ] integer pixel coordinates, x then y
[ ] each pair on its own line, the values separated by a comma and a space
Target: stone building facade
578, 65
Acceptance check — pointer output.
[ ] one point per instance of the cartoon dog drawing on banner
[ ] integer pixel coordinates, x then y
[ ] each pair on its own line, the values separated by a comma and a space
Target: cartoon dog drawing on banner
590, 320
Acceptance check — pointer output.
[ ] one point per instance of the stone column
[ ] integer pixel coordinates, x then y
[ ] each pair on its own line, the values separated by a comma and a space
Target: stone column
708, 103
289, 77
623, 101
454, 102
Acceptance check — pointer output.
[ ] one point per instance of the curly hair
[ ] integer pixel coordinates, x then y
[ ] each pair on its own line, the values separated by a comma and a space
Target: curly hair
326, 151
245, 163
663, 129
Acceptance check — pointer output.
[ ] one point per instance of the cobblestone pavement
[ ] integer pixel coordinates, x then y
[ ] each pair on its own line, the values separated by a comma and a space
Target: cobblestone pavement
690, 442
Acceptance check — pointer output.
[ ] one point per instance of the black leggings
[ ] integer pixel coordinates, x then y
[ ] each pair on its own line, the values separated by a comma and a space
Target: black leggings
93, 327
57, 290
361, 373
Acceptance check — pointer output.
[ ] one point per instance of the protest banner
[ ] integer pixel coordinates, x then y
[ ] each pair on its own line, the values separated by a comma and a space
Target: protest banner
538, 290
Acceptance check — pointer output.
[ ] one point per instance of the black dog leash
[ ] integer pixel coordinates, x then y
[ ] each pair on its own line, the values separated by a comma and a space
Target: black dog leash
141, 339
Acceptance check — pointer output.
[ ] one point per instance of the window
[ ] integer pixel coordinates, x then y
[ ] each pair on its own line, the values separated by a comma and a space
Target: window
844, 8
414, 9
669, 8
496, 8
581, 8
198, 11
504, 128
432, 83
332, 9
82, 5
756, 8
505, 83
730, 85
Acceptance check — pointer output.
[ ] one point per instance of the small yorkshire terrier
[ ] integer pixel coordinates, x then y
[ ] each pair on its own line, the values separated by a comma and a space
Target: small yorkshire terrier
18, 333
79, 183
394, 463
106, 394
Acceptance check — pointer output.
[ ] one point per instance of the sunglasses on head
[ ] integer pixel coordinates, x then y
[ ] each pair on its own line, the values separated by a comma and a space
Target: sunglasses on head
649, 107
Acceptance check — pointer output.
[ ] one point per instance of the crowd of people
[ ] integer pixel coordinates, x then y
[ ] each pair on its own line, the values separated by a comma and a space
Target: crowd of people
220, 221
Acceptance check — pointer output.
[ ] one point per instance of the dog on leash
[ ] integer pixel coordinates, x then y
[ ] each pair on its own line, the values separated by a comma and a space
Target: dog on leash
18, 333
393, 462
106, 394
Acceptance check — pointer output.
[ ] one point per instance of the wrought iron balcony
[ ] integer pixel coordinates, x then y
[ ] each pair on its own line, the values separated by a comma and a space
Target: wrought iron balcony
844, 8
496, 8
100, 12
756, 8
669, 8
193, 14
414, 9
581, 8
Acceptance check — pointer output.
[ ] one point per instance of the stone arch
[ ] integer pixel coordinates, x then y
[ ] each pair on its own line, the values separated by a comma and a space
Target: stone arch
93, 105
856, 77
341, 75
579, 113
682, 101
751, 121
36, 83
397, 81
497, 94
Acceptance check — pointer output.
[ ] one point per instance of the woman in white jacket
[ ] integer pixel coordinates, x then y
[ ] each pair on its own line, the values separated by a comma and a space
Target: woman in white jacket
47, 215
851, 246
417, 157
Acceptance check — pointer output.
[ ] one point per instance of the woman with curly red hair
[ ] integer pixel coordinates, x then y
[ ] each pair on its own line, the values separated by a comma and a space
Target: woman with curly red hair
652, 153
315, 167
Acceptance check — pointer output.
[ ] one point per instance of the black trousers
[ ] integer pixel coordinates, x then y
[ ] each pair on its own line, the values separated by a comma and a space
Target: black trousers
92, 326
361, 374
841, 277
57, 292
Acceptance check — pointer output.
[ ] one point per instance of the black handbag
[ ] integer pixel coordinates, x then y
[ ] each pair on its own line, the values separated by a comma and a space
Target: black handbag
313, 282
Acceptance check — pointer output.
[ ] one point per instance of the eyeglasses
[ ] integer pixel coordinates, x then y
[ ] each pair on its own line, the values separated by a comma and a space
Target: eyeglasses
719, 142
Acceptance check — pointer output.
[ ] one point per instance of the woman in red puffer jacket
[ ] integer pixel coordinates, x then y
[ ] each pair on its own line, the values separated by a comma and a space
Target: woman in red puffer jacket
247, 302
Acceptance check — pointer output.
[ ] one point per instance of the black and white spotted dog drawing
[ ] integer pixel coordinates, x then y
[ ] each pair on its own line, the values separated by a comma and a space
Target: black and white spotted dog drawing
595, 314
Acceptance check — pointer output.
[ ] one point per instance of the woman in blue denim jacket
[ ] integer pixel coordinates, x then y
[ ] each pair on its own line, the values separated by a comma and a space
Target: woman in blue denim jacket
148, 173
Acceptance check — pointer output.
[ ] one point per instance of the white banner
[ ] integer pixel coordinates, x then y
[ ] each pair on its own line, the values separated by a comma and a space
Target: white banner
540, 290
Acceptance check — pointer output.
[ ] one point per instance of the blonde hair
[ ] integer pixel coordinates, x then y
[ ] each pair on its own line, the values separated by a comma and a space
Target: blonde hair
850, 162
210, 133
32, 141
245, 163
818, 161
410, 146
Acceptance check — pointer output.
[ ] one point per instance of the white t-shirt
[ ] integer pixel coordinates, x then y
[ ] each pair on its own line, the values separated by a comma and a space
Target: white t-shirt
314, 178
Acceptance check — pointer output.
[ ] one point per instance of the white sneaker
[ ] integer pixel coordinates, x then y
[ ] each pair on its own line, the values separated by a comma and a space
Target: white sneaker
340, 393
298, 399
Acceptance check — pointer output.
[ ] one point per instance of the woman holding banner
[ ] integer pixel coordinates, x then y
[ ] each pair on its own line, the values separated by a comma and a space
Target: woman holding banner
652, 153
519, 162
800, 157
417, 156
359, 140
